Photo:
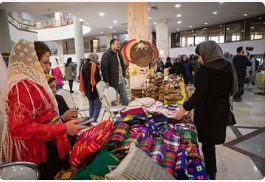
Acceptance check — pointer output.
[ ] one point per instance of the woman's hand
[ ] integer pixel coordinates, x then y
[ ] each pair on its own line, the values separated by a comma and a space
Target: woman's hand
181, 112
70, 114
72, 128
83, 93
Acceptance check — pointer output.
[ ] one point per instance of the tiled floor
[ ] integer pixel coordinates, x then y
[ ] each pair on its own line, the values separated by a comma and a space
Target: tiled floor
242, 160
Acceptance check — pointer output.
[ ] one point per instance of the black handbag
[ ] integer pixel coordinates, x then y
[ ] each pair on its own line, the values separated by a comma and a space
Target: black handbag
231, 117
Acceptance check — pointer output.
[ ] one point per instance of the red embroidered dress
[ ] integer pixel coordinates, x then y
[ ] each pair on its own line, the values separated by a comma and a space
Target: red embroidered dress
34, 129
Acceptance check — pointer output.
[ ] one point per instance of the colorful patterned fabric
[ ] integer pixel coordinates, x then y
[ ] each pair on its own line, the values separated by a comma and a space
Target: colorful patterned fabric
196, 170
181, 172
90, 142
157, 153
152, 128
172, 143
158, 140
136, 111
146, 144
104, 163
169, 162
133, 138
143, 131
119, 133
134, 128
187, 133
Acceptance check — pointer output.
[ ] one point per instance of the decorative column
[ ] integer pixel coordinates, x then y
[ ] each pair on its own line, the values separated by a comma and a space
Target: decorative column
138, 28
108, 39
79, 42
162, 41
58, 18
5, 43
60, 55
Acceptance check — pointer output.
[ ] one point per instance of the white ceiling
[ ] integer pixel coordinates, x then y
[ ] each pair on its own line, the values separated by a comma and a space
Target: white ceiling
194, 14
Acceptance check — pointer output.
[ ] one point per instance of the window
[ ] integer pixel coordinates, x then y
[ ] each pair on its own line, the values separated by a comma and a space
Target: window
255, 28
235, 31
187, 39
201, 35
175, 40
216, 33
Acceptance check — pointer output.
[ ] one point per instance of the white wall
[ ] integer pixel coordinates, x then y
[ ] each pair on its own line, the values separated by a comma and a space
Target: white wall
37, 18
258, 45
16, 34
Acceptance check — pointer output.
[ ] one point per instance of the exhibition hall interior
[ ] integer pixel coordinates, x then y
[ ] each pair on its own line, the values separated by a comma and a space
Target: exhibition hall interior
132, 90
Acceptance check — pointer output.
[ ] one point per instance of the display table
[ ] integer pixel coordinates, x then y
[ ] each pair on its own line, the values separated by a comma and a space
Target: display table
260, 80
163, 147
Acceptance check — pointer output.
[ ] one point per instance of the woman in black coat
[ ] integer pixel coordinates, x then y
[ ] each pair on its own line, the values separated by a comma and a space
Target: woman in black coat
214, 83
184, 68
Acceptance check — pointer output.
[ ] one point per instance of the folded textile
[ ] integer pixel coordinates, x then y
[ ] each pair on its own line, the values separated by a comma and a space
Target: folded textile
187, 132
143, 131
146, 102
169, 162
157, 153
132, 138
172, 143
158, 140
134, 128
119, 133
181, 172
134, 111
103, 163
152, 128
90, 142
146, 144
196, 170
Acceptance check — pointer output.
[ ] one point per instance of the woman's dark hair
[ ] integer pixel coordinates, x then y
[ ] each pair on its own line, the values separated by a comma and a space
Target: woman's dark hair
69, 60
182, 56
51, 80
41, 48
168, 59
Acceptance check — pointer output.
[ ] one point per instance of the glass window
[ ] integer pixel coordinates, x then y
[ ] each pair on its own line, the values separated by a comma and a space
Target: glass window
216, 33
201, 35
187, 39
175, 40
255, 28
234, 31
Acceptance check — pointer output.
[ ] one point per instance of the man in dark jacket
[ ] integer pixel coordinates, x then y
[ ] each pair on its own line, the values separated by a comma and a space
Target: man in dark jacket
113, 70
240, 62
184, 68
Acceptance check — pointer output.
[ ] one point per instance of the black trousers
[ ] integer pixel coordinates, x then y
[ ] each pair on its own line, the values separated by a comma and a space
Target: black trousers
209, 158
71, 84
241, 82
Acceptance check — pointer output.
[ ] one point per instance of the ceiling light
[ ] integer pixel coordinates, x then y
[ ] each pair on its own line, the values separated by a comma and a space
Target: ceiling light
206, 23
221, 25
177, 5
215, 12
101, 32
260, 18
110, 27
177, 29
114, 31
205, 28
252, 27
190, 26
227, 28
81, 20
178, 15
115, 21
221, 2
149, 18
179, 22
245, 14
101, 14
155, 23
256, 33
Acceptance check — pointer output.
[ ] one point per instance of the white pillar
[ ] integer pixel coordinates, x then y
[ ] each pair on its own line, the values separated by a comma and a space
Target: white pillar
5, 43
60, 55
58, 18
108, 39
162, 41
79, 42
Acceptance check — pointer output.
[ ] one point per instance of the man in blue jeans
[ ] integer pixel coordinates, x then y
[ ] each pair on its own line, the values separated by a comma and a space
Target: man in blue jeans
113, 70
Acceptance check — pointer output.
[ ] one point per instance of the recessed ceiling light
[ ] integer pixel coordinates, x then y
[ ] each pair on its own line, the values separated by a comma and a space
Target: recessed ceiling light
179, 22
205, 28
215, 12
110, 27
115, 21
149, 18
256, 33
81, 20
177, 29
190, 26
227, 28
206, 23
221, 2
177, 5
101, 14
114, 31
260, 18
245, 14
155, 23
252, 27
101, 32
221, 25
178, 15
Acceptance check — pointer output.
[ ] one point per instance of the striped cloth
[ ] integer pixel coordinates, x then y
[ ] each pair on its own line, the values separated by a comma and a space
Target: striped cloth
146, 144
133, 138
169, 162
159, 140
181, 172
157, 153
172, 143
143, 131
119, 133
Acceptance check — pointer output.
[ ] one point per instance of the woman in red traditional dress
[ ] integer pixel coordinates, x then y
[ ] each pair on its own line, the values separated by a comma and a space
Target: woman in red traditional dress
33, 131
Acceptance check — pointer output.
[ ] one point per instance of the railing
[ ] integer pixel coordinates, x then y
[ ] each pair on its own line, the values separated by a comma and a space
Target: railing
29, 25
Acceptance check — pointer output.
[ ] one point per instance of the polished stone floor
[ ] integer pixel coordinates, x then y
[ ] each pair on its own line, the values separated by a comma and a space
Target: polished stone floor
242, 157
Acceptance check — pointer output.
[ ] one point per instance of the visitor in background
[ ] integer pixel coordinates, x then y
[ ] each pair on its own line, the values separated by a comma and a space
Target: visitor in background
70, 73
214, 83
56, 72
169, 65
184, 68
160, 66
253, 68
227, 56
33, 131
240, 61
66, 114
113, 70
195, 65
89, 77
